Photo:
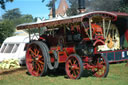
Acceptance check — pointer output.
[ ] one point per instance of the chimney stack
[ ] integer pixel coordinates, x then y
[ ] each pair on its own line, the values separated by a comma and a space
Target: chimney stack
81, 6
53, 9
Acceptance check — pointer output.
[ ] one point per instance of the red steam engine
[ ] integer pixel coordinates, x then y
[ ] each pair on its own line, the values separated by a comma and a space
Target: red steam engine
72, 41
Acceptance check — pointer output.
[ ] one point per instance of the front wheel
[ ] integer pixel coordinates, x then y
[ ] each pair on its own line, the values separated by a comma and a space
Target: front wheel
102, 66
74, 66
36, 60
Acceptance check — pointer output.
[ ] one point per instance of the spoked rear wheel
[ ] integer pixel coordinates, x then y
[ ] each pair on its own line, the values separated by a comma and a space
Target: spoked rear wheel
36, 59
74, 67
102, 66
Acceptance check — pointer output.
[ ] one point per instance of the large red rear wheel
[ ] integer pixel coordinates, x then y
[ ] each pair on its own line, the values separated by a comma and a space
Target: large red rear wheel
102, 66
36, 59
74, 66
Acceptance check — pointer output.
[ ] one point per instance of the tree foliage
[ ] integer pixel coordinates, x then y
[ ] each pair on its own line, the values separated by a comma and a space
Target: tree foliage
104, 5
10, 20
99, 5
3, 2
12, 14
16, 16
123, 6
50, 3
73, 10
6, 29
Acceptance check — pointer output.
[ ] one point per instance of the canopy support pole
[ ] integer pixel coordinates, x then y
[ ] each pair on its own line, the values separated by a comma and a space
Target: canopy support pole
29, 35
90, 28
85, 28
108, 27
104, 29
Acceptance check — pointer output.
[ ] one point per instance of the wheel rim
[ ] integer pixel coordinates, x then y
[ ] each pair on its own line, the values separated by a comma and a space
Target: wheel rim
73, 67
35, 60
101, 67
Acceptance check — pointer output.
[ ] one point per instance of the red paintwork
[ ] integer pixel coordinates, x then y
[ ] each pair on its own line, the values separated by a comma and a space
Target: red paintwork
113, 51
62, 56
102, 14
120, 14
116, 61
29, 59
72, 66
70, 50
52, 60
97, 30
73, 29
98, 42
42, 38
126, 35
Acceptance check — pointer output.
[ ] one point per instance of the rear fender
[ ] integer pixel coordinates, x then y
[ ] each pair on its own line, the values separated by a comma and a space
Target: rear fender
98, 42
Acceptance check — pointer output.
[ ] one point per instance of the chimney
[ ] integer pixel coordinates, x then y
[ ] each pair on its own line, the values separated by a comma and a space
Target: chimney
81, 6
53, 9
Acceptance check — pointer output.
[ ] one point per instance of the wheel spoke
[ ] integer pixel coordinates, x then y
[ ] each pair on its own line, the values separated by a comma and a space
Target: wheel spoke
39, 56
74, 67
74, 73
101, 67
35, 62
38, 52
69, 66
70, 62
39, 66
35, 51
29, 60
74, 62
77, 68
101, 62
32, 51
41, 62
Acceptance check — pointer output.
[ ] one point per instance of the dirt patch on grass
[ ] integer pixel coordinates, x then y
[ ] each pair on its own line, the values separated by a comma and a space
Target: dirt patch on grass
11, 71
126, 64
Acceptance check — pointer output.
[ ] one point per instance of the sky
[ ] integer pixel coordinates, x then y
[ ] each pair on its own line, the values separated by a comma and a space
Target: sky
34, 7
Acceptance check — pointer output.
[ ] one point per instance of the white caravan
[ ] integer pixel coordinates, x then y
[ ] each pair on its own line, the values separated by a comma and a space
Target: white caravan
14, 48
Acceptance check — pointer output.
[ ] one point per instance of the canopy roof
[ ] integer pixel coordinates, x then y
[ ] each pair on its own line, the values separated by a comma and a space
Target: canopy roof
67, 20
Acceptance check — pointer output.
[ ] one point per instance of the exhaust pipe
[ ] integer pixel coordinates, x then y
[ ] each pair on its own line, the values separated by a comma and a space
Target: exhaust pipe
81, 6
53, 9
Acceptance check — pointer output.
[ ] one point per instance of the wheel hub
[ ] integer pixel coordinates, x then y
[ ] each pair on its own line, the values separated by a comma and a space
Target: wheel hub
73, 67
36, 58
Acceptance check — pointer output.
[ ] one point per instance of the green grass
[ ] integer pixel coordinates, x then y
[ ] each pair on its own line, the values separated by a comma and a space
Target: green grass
118, 75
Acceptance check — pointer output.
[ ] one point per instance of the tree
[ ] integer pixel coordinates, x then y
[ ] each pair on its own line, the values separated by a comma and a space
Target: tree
2, 3
6, 29
94, 5
73, 10
16, 17
123, 6
23, 19
104, 5
51, 5
10, 20
12, 14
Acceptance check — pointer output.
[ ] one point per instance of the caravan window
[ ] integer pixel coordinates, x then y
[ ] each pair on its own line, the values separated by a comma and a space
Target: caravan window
9, 48
3, 48
15, 48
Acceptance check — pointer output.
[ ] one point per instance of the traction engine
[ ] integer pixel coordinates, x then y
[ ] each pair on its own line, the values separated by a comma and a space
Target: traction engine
71, 41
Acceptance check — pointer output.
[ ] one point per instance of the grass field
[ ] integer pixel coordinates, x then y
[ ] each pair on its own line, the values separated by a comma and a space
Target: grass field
118, 75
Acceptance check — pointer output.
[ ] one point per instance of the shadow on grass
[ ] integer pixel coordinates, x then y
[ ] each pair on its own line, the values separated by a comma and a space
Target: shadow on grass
6, 72
51, 73
61, 72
